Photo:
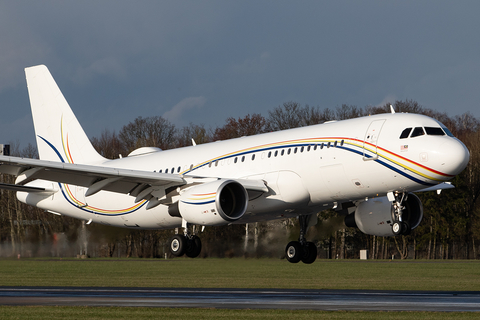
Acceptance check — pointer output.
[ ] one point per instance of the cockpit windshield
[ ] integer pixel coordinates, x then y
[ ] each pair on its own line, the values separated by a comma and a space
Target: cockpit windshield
434, 131
420, 131
405, 133
447, 132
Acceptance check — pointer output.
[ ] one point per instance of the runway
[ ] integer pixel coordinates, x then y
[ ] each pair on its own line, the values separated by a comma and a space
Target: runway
243, 298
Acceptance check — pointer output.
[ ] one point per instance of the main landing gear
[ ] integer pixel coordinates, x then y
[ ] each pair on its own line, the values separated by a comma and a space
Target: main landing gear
187, 244
301, 250
400, 227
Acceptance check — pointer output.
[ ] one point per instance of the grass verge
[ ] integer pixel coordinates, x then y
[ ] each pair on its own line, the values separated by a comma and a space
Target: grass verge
119, 313
243, 273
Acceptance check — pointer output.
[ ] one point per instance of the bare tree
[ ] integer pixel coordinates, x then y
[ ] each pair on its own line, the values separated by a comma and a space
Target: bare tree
247, 126
109, 145
196, 132
148, 132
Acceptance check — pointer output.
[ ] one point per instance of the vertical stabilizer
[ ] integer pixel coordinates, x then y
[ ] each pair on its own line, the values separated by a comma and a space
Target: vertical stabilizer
59, 135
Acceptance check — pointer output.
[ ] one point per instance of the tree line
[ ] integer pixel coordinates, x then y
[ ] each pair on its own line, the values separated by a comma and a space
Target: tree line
450, 228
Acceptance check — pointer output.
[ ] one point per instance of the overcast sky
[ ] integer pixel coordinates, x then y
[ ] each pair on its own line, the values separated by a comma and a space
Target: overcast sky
204, 61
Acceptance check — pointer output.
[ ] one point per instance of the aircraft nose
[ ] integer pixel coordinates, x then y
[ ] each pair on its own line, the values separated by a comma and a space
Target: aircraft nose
455, 157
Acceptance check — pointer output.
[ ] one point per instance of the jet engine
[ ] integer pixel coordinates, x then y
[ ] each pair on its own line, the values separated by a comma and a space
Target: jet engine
376, 216
212, 204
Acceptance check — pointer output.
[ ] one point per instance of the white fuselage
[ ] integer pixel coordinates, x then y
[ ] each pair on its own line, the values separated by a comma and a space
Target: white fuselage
306, 170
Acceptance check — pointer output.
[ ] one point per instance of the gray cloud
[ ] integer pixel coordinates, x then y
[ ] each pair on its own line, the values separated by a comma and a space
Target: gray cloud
116, 60
183, 106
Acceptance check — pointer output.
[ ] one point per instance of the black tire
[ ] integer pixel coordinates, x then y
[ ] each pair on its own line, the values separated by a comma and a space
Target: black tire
310, 253
406, 228
178, 245
194, 247
294, 251
397, 227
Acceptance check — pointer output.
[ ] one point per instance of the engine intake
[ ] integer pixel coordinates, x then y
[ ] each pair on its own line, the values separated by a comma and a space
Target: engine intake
213, 203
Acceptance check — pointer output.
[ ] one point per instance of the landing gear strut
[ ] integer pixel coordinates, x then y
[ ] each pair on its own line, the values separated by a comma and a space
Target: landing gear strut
188, 244
301, 250
400, 227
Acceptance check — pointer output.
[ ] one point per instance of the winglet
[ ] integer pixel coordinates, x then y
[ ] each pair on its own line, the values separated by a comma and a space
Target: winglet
58, 132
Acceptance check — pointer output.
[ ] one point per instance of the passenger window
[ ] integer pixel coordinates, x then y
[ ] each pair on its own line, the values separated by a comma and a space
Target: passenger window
301, 149
341, 143
418, 131
173, 170
283, 152
434, 131
335, 144
166, 170
160, 171
276, 153
235, 161
405, 133
253, 156
289, 150
178, 169
243, 158
308, 148
269, 154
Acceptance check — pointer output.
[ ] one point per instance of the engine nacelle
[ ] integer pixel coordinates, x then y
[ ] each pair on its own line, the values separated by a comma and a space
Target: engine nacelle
375, 216
214, 203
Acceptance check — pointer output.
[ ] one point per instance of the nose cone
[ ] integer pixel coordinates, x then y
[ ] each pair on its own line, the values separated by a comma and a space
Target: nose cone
454, 157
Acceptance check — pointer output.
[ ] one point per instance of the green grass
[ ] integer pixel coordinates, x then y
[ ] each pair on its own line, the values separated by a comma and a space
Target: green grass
119, 313
234, 273
243, 273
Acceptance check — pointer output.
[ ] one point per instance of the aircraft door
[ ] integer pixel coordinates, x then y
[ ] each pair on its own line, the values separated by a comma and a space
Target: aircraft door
371, 139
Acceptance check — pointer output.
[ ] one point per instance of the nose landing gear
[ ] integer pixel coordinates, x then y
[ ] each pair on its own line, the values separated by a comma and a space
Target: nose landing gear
400, 227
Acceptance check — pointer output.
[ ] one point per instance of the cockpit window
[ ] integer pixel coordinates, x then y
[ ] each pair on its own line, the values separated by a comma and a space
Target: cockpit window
434, 131
447, 132
418, 131
405, 133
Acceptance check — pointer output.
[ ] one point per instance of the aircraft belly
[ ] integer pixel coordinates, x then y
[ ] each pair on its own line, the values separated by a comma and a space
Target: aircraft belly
286, 194
104, 207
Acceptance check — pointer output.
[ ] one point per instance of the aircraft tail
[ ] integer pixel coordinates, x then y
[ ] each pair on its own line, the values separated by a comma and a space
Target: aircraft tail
59, 135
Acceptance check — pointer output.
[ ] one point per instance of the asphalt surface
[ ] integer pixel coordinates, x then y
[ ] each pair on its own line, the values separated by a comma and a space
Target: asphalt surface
243, 298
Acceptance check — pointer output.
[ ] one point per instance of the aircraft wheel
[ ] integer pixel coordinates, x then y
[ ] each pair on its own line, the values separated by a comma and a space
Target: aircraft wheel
194, 247
310, 253
397, 227
294, 251
178, 244
406, 228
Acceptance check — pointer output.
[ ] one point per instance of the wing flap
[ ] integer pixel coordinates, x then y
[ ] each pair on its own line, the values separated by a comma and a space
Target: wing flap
15, 187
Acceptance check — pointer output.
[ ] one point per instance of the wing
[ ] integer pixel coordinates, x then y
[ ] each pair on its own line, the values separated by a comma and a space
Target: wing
137, 183
95, 178
438, 187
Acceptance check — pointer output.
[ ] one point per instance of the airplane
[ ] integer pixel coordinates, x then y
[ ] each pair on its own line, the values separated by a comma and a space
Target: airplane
366, 168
